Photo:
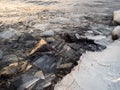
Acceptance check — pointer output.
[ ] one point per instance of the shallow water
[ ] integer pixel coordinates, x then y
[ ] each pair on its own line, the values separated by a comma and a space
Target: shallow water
10, 9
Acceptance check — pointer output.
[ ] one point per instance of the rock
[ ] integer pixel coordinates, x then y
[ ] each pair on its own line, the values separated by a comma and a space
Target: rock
116, 33
39, 74
25, 81
45, 63
47, 33
116, 16
1, 54
42, 27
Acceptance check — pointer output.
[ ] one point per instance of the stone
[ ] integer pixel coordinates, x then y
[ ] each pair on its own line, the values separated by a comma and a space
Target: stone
116, 16
1, 54
47, 33
116, 33
45, 63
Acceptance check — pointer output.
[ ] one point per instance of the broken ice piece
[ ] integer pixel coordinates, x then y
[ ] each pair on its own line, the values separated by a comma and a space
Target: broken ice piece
97, 37
58, 63
25, 81
45, 63
1, 54
11, 69
41, 27
25, 66
8, 59
66, 65
77, 36
116, 33
41, 43
16, 67
80, 37
44, 83
40, 74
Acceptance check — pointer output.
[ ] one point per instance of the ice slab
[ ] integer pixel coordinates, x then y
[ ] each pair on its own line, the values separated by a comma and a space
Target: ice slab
95, 71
